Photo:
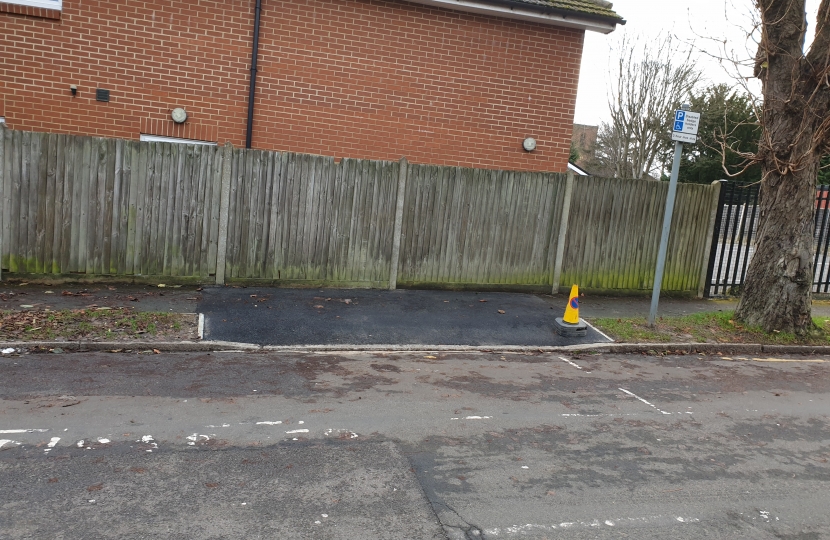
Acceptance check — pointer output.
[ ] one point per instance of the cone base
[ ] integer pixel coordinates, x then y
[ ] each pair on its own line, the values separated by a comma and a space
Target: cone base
562, 328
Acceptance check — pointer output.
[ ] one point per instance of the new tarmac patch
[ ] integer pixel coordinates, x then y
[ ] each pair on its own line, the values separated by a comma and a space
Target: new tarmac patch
269, 316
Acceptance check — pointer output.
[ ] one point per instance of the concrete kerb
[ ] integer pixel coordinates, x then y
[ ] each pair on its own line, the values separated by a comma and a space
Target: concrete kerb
591, 348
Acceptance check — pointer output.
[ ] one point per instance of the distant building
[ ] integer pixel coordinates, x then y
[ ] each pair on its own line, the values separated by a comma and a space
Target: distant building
584, 139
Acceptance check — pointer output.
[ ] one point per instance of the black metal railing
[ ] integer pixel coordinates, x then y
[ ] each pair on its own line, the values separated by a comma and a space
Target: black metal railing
733, 239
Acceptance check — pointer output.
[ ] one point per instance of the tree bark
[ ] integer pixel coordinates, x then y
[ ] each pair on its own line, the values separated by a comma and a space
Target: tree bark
777, 292
778, 288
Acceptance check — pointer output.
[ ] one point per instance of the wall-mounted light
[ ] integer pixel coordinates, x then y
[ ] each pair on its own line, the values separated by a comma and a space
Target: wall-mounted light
74, 90
178, 115
529, 144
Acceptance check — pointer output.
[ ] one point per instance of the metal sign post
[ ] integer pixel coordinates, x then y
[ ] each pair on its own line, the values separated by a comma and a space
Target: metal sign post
685, 131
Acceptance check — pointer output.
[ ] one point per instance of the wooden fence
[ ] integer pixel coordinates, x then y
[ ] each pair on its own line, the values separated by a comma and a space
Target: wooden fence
83, 206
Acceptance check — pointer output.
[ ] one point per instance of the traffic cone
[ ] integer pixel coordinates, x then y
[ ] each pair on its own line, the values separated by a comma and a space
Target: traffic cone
570, 324
572, 309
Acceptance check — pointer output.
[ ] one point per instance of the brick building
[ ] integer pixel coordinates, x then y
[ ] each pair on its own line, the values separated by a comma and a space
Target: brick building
461, 82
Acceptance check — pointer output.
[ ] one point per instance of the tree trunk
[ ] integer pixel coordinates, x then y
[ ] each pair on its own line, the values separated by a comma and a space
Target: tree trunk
779, 282
777, 292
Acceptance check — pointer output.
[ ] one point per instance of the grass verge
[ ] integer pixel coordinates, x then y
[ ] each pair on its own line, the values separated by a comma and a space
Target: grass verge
95, 324
709, 327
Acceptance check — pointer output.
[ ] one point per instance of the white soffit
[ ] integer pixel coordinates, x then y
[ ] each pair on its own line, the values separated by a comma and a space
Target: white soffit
524, 14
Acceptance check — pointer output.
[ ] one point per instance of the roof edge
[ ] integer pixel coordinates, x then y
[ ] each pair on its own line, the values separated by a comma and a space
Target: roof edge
514, 9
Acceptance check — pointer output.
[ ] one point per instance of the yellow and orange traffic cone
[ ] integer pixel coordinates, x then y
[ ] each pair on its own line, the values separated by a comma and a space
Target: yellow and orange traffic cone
570, 325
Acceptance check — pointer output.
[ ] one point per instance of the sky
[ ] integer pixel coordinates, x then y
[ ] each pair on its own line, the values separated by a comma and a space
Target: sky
695, 22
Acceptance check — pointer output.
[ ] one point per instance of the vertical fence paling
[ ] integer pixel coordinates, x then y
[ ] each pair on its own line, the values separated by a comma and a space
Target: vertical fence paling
735, 232
821, 279
732, 241
103, 206
716, 232
112, 207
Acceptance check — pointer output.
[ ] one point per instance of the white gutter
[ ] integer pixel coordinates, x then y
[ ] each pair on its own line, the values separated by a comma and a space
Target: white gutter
523, 14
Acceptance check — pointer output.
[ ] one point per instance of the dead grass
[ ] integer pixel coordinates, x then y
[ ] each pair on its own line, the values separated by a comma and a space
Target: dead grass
96, 324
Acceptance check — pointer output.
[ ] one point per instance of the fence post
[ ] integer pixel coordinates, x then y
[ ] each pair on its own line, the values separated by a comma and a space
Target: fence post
396, 237
3, 195
713, 235
563, 233
224, 205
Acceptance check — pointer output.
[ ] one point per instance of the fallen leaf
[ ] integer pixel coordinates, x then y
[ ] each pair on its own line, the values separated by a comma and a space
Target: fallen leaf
501, 311
162, 285
482, 300
156, 351
319, 307
430, 357
347, 301
48, 292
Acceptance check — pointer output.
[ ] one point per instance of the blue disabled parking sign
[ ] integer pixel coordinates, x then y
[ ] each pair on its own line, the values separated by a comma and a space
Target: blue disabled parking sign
685, 126
679, 118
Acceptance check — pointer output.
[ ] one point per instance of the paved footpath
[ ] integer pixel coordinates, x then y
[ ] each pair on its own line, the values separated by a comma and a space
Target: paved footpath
382, 445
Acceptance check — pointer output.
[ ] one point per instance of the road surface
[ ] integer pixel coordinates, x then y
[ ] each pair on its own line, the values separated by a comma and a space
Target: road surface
240, 445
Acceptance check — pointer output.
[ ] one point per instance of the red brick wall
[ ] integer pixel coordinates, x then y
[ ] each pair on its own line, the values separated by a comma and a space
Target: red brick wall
375, 79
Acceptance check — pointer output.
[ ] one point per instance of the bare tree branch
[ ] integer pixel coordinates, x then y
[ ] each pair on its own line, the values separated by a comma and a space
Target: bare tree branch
650, 82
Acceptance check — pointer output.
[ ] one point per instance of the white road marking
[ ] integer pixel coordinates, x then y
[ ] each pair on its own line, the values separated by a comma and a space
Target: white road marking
296, 431
4, 442
148, 439
523, 530
598, 331
574, 364
51, 444
269, 423
194, 437
330, 431
795, 360
641, 399
103, 440
23, 430
472, 418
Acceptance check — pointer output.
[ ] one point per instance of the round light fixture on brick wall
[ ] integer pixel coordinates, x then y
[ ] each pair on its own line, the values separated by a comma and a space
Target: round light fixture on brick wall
178, 115
529, 144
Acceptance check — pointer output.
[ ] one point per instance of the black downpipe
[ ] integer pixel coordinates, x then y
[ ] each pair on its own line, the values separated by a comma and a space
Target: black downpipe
252, 91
